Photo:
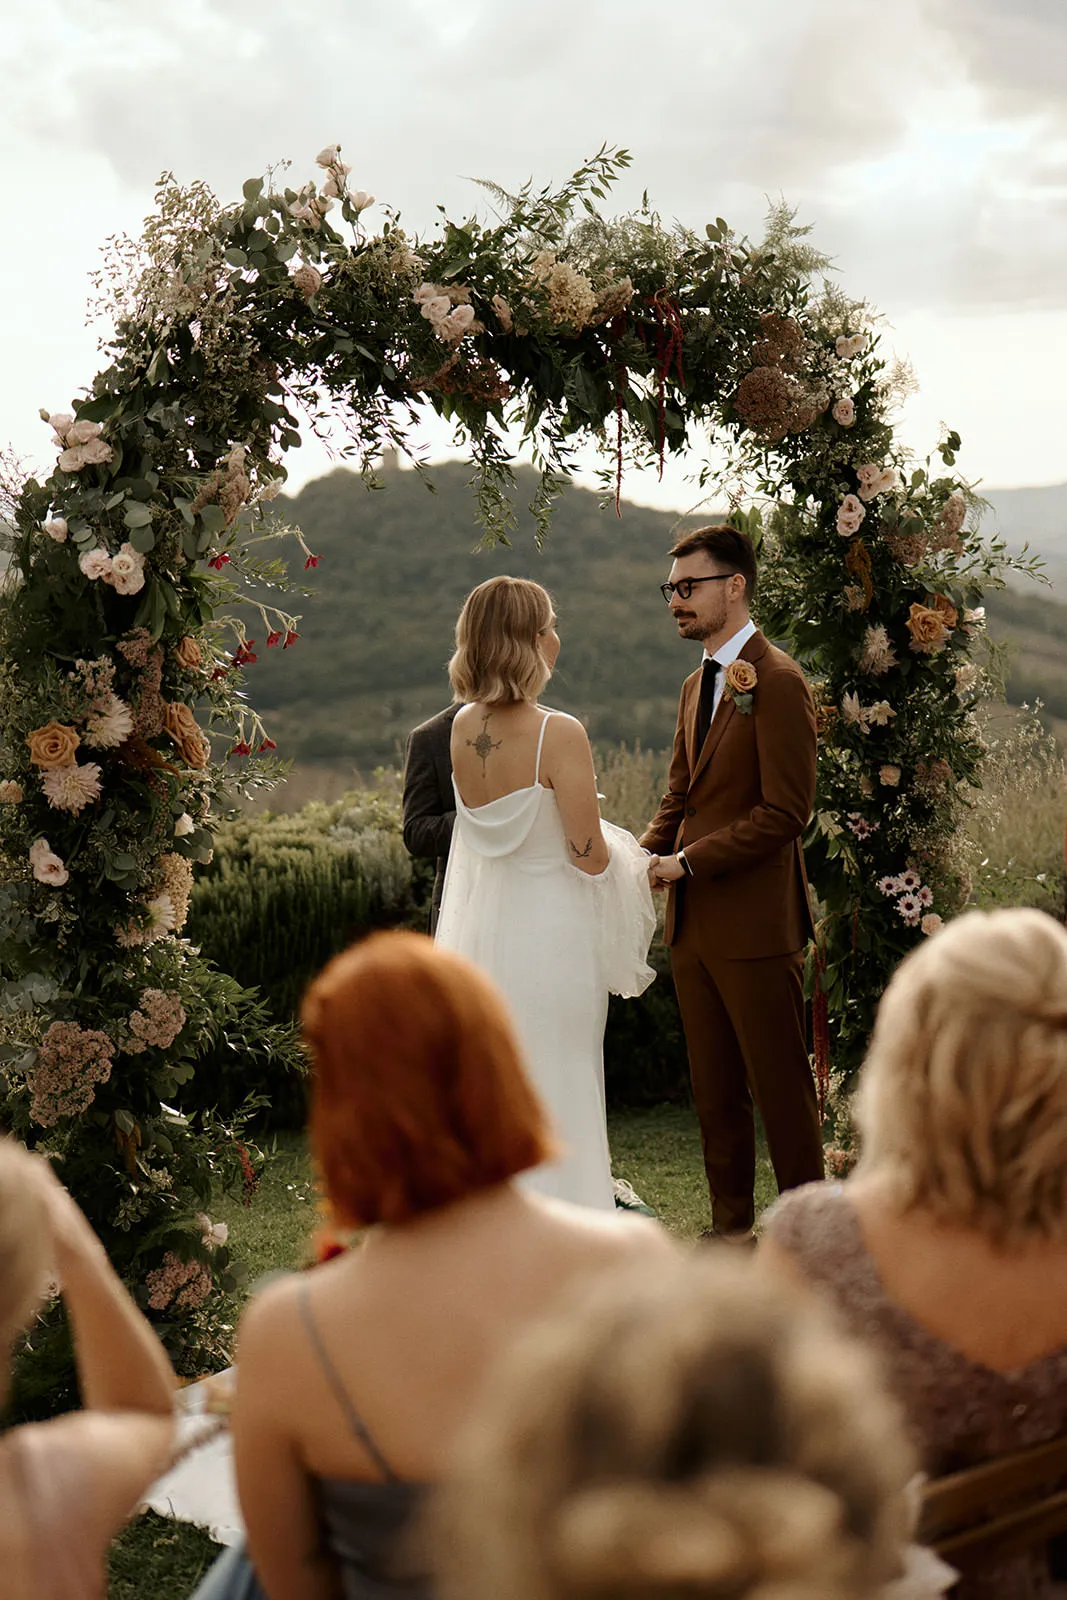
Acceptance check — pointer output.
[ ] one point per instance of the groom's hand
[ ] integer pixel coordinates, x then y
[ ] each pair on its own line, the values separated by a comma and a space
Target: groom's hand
654, 880
668, 870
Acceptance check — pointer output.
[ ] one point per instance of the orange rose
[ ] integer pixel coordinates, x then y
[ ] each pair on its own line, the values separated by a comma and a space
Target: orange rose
928, 629
187, 654
184, 729
741, 677
946, 610
53, 745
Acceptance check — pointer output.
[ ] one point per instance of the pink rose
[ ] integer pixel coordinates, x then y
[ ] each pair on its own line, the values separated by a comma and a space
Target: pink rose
82, 431
844, 413
932, 923
360, 199
95, 563
56, 529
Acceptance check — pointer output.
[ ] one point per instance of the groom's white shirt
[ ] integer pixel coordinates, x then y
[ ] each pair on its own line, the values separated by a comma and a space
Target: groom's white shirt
725, 654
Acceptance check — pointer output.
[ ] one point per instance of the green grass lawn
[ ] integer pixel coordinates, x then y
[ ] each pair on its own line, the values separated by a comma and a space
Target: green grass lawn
658, 1151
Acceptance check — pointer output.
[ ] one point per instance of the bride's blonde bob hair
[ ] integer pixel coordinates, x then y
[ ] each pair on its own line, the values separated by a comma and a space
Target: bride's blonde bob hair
498, 659
962, 1105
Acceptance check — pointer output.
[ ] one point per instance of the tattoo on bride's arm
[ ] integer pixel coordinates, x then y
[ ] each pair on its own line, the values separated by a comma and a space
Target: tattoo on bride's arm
483, 746
581, 854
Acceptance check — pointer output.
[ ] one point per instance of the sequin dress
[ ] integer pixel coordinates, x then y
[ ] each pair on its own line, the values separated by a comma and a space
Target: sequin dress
961, 1412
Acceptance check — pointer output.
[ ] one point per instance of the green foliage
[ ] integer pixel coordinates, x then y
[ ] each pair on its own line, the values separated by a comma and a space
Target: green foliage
284, 894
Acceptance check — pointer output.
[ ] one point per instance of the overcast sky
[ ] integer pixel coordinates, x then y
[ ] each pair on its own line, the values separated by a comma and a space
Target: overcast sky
926, 140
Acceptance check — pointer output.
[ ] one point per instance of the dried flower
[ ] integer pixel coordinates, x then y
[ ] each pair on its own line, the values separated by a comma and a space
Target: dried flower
156, 1023
110, 726
71, 1061
966, 677
876, 654
187, 654
53, 745
177, 1285
502, 312
184, 730
307, 281
928, 628
852, 711
47, 866
72, 788
213, 1233
879, 714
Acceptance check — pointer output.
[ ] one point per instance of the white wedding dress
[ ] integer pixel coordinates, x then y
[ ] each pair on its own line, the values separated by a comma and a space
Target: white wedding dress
555, 940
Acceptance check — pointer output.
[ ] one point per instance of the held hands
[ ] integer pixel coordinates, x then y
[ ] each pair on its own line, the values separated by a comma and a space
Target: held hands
664, 870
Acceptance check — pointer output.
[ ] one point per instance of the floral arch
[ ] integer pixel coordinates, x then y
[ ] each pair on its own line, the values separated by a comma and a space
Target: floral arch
121, 699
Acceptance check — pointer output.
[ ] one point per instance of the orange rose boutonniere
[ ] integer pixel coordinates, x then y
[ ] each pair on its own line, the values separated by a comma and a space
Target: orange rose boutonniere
739, 681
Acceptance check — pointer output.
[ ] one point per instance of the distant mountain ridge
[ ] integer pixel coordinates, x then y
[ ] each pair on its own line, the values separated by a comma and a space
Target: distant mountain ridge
1037, 517
397, 564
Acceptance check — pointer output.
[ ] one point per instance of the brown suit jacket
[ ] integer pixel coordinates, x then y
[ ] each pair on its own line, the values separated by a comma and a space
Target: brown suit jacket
739, 807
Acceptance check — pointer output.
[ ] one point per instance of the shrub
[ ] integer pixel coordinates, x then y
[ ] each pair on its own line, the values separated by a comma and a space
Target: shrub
282, 895
1013, 837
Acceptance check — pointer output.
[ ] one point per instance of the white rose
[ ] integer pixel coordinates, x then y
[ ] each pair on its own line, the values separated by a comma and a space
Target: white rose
56, 529
453, 327
96, 452
73, 459
82, 431
61, 421
426, 291
437, 309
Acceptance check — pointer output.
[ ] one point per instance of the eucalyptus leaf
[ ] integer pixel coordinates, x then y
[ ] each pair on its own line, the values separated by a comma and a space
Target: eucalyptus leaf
235, 257
137, 515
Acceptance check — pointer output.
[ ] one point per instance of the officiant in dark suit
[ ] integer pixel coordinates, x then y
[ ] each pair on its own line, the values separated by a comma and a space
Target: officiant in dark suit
429, 804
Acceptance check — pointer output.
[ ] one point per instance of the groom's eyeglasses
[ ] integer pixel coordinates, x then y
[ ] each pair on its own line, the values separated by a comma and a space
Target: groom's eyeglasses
684, 587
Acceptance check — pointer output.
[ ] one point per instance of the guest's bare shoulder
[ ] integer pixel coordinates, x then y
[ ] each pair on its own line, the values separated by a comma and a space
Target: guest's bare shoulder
618, 1235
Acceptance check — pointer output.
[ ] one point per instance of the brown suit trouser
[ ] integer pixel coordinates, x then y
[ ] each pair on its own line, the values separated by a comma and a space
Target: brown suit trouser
744, 1029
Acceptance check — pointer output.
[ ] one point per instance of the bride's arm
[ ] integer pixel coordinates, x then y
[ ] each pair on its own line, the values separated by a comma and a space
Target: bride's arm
567, 765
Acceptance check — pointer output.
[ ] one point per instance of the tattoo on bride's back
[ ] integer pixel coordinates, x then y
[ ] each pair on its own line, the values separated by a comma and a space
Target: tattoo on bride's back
483, 746
581, 854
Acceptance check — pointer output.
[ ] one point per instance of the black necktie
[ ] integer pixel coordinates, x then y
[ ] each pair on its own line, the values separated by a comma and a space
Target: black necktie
707, 700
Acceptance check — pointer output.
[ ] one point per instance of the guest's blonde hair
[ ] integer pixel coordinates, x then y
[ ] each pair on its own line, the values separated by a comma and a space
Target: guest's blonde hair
695, 1430
497, 658
24, 1240
962, 1105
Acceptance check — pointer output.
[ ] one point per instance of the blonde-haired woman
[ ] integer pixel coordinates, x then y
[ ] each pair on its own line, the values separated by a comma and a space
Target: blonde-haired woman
66, 1486
552, 902
948, 1246
693, 1431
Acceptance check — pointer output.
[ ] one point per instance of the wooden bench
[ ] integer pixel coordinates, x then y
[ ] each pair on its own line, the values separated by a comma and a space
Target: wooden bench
987, 1513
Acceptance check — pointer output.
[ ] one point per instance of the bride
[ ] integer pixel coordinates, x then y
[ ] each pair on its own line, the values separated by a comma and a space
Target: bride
552, 902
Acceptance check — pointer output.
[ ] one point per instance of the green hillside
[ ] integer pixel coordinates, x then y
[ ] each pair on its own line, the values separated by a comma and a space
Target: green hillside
396, 565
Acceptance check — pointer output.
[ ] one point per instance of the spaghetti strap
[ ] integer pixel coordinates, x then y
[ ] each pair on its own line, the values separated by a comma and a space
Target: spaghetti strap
540, 742
333, 1378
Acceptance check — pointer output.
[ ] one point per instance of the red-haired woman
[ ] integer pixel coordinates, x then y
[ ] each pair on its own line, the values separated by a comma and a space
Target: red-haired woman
353, 1379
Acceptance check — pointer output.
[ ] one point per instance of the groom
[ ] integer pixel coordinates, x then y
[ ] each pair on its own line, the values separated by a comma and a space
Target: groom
725, 843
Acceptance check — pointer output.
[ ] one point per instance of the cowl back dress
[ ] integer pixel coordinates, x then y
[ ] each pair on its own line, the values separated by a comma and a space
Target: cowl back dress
556, 941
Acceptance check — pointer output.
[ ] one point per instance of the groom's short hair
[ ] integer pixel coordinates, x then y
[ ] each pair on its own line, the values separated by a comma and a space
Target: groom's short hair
725, 544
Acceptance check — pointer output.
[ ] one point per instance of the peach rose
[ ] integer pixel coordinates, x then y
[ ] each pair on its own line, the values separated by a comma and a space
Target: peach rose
53, 745
889, 775
740, 676
929, 633
179, 722
946, 611
187, 654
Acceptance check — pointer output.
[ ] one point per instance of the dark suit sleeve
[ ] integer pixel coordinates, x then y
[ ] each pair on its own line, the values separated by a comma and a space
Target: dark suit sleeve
428, 814
786, 747
660, 835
